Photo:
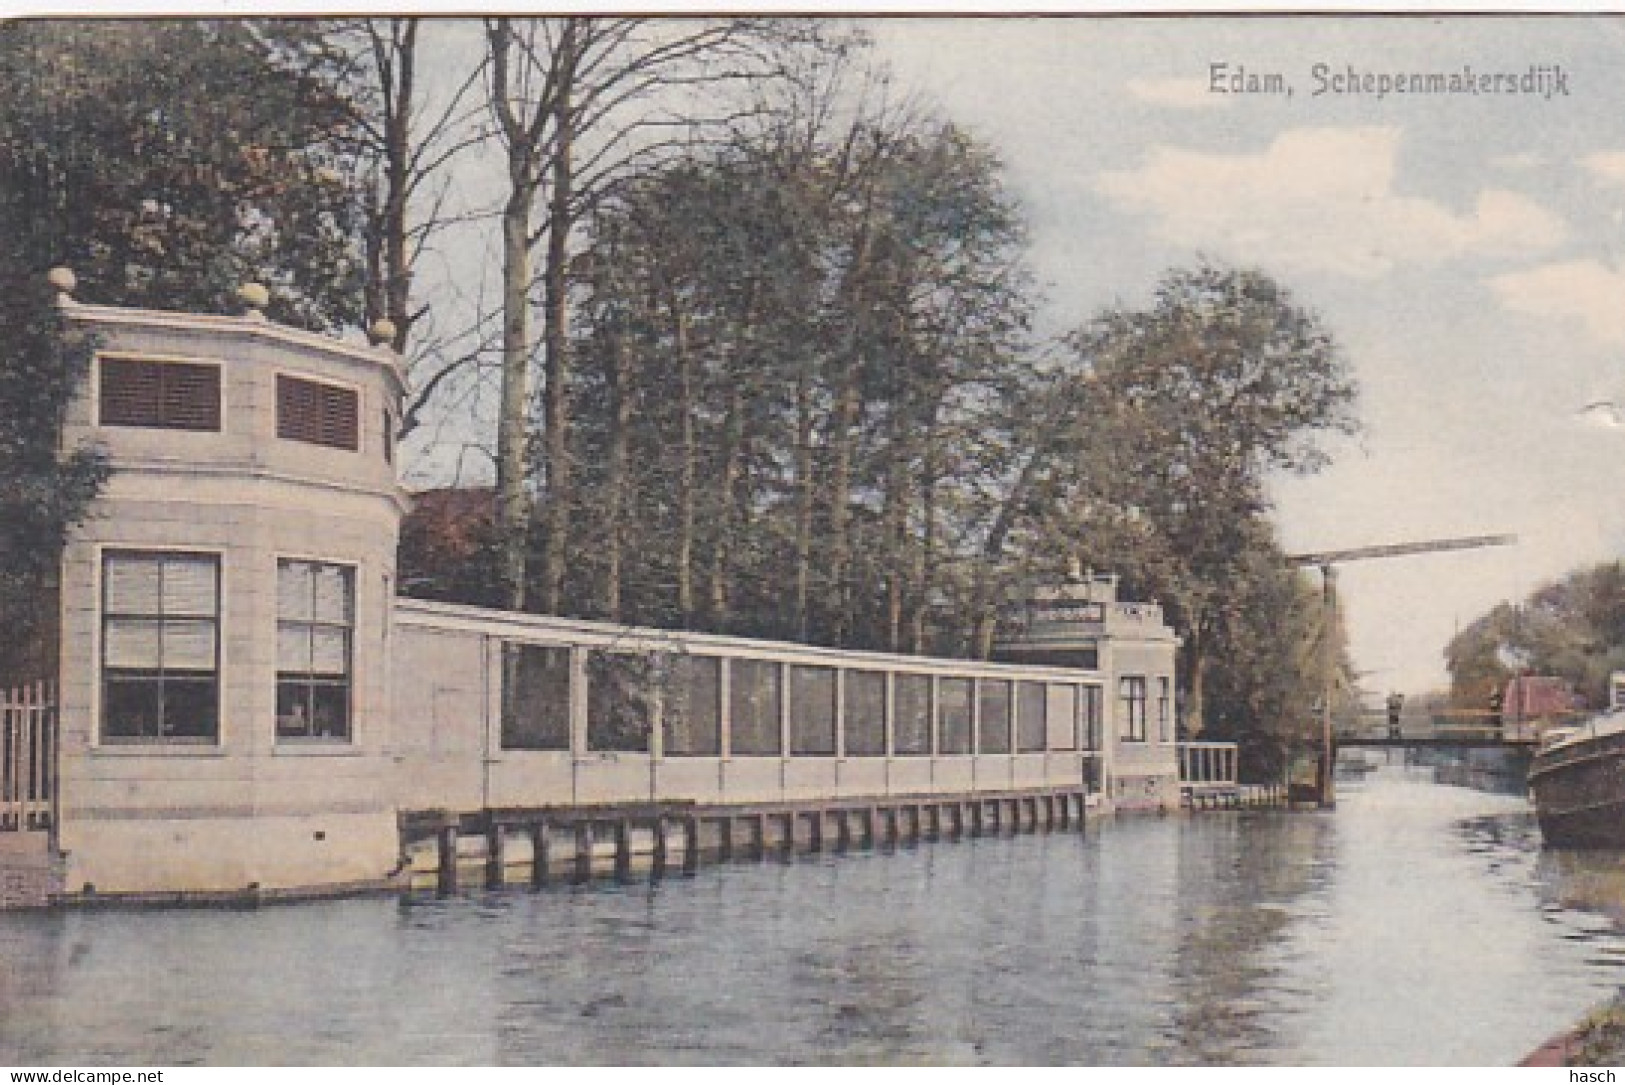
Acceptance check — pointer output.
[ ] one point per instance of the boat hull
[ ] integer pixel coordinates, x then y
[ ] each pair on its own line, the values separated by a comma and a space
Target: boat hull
1579, 792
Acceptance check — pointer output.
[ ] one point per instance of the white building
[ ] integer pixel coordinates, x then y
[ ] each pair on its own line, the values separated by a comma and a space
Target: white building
246, 706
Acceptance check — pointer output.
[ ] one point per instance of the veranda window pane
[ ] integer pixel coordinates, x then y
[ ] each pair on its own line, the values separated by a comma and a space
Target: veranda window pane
293, 709
293, 648
132, 585
189, 588
329, 652
330, 704
620, 701
692, 714
333, 595
812, 710
535, 697
1062, 716
131, 644
954, 714
753, 704
994, 722
294, 594
189, 646
865, 713
911, 726
191, 707
1030, 705
130, 708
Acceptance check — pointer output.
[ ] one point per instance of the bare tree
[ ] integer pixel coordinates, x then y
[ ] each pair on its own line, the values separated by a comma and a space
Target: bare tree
581, 104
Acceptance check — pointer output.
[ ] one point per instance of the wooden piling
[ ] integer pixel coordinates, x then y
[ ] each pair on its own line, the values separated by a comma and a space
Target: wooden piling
761, 836
725, 838
843, 830
494, 859
815, 831
623, 849
540, 854
583, 856
446, 875
657, 858
691, 844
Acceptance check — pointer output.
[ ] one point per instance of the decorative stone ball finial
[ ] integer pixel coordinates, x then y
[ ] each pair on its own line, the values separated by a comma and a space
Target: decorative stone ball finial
382, 332
256, 297
64, 280
1074, 570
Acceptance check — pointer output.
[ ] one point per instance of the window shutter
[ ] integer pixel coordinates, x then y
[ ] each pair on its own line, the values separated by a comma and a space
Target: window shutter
321, 414
159, 395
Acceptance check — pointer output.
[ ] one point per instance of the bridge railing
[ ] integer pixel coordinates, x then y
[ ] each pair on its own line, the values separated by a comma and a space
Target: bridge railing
1208, 766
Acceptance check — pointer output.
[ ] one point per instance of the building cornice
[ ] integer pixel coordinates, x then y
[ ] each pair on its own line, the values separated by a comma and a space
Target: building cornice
252, 327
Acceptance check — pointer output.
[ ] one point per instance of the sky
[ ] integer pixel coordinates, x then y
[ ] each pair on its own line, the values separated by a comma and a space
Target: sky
1465, 251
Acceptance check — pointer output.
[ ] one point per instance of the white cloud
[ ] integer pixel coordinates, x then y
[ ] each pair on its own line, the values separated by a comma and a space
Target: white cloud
1523, 160
1606, 166
1175, 93
1321, 199
1581, 289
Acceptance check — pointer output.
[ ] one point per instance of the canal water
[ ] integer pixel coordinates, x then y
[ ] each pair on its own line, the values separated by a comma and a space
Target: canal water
1419, 924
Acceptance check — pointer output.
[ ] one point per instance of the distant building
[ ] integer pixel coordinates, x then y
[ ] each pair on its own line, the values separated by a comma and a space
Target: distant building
1532, 702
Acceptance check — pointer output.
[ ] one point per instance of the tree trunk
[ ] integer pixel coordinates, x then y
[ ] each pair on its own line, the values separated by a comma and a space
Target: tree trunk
842, 446
556, 331
1196, 675
615, 481
688, 469
925, 573
898, 548
804, 503
726, 515
513, 511
397, 166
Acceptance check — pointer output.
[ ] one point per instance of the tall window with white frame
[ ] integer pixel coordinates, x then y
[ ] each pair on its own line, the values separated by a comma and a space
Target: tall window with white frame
1165, 709
1131, 708
315, 607
160, 647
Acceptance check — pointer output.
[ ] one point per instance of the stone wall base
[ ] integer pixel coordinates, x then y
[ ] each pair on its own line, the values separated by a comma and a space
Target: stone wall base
30, 875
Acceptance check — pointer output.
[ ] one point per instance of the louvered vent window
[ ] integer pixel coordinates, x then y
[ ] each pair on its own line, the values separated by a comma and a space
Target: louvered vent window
321, 414
159, 395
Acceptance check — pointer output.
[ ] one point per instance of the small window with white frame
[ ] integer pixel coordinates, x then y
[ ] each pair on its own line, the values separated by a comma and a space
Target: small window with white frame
1165, 709
160, 647
315, 604
1131, 708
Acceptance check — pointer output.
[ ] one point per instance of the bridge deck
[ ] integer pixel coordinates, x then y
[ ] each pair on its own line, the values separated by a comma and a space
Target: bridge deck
1420, 742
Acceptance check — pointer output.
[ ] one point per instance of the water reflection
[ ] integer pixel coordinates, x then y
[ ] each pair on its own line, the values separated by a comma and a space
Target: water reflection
1416, 924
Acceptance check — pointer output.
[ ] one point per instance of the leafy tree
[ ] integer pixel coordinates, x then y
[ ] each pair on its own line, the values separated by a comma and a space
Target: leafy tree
1224, 379
581, 105
42, 493
168, 162
781, 345
1573, 628
448, 547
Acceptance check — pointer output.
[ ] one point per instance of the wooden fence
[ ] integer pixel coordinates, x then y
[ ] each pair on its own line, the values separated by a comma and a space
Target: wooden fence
28, 758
